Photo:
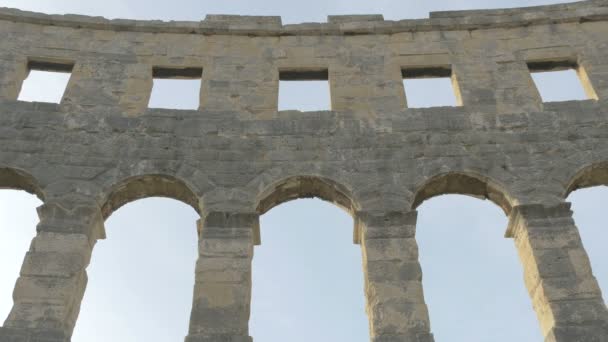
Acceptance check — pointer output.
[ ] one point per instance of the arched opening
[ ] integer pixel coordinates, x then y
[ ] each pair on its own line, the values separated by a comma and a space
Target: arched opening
19, 197
307, 274
141, 277
469, 269
299, 187
588, 193
463, 184
139, 187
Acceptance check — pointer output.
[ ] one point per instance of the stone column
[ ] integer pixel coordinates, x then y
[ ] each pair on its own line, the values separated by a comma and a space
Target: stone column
222, 290
122, 85
515, 90
13, 70
53, 277
593, 65
393, 277
367, 83
564, 292
244, 81
593, 73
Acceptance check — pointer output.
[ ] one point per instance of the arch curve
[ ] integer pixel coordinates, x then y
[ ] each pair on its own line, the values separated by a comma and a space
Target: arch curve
463, 183
143, 186
295, 187
591, 175
15, 179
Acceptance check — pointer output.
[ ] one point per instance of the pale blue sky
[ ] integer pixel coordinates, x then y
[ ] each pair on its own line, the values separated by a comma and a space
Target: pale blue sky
307, 280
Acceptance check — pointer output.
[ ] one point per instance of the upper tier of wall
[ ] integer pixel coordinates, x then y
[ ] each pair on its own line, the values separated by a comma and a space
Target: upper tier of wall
368, 139
590, 10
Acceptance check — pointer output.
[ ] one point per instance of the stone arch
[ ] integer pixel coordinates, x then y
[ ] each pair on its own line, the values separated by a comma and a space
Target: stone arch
590, 175
15, 179
306, 186
318, 186
464, 183
152, 185
435, 228
136, 187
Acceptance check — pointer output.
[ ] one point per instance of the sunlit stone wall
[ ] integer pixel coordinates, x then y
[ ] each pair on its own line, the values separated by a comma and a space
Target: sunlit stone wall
237, 156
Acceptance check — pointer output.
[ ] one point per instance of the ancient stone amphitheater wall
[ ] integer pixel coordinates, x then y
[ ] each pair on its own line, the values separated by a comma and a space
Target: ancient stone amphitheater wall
237, 156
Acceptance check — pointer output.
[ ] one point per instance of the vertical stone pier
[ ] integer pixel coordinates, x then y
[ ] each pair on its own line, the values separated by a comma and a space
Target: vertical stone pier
222, 290
393, 277
557, 273
53, 277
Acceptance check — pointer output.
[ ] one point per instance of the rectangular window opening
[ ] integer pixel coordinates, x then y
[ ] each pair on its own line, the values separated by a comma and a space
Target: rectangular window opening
430, 87
176, 88
304, 89
561, 81
46, 81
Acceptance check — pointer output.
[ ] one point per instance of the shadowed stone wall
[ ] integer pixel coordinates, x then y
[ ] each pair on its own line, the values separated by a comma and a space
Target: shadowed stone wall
237, 156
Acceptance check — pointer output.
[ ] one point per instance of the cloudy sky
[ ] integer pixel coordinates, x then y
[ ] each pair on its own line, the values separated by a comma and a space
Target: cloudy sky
307, 280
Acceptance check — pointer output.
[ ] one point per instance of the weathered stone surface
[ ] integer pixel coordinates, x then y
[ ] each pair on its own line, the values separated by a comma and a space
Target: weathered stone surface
32, 335
565, 294
393, 278
222, 290
237, 157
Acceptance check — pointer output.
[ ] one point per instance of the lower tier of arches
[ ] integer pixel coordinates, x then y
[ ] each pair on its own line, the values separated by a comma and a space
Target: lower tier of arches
557, 274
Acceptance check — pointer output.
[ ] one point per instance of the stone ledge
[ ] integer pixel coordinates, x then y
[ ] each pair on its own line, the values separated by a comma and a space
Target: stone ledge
11, 334
415, 337
571, 6
340, 19
218, 338
590, 10
590, 333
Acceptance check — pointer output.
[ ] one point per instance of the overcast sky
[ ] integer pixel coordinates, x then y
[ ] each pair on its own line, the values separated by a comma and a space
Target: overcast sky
307, 280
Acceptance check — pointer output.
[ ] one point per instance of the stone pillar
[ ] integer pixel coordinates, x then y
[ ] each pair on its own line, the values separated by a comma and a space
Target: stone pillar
367, 82
222, 290
122, 85
564, 292
393, 278
593, 62
13, 70
593, 73
473, 81
515, 90
246, 82
53, 277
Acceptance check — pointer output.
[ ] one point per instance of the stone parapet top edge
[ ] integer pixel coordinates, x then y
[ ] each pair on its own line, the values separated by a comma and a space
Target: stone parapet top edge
590, 10
570, 6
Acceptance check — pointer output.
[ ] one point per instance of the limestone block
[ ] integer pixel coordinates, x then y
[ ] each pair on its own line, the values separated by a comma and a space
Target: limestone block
33, 289
59, 264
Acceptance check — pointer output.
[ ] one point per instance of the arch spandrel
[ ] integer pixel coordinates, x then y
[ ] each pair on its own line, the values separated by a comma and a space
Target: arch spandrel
464, 183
